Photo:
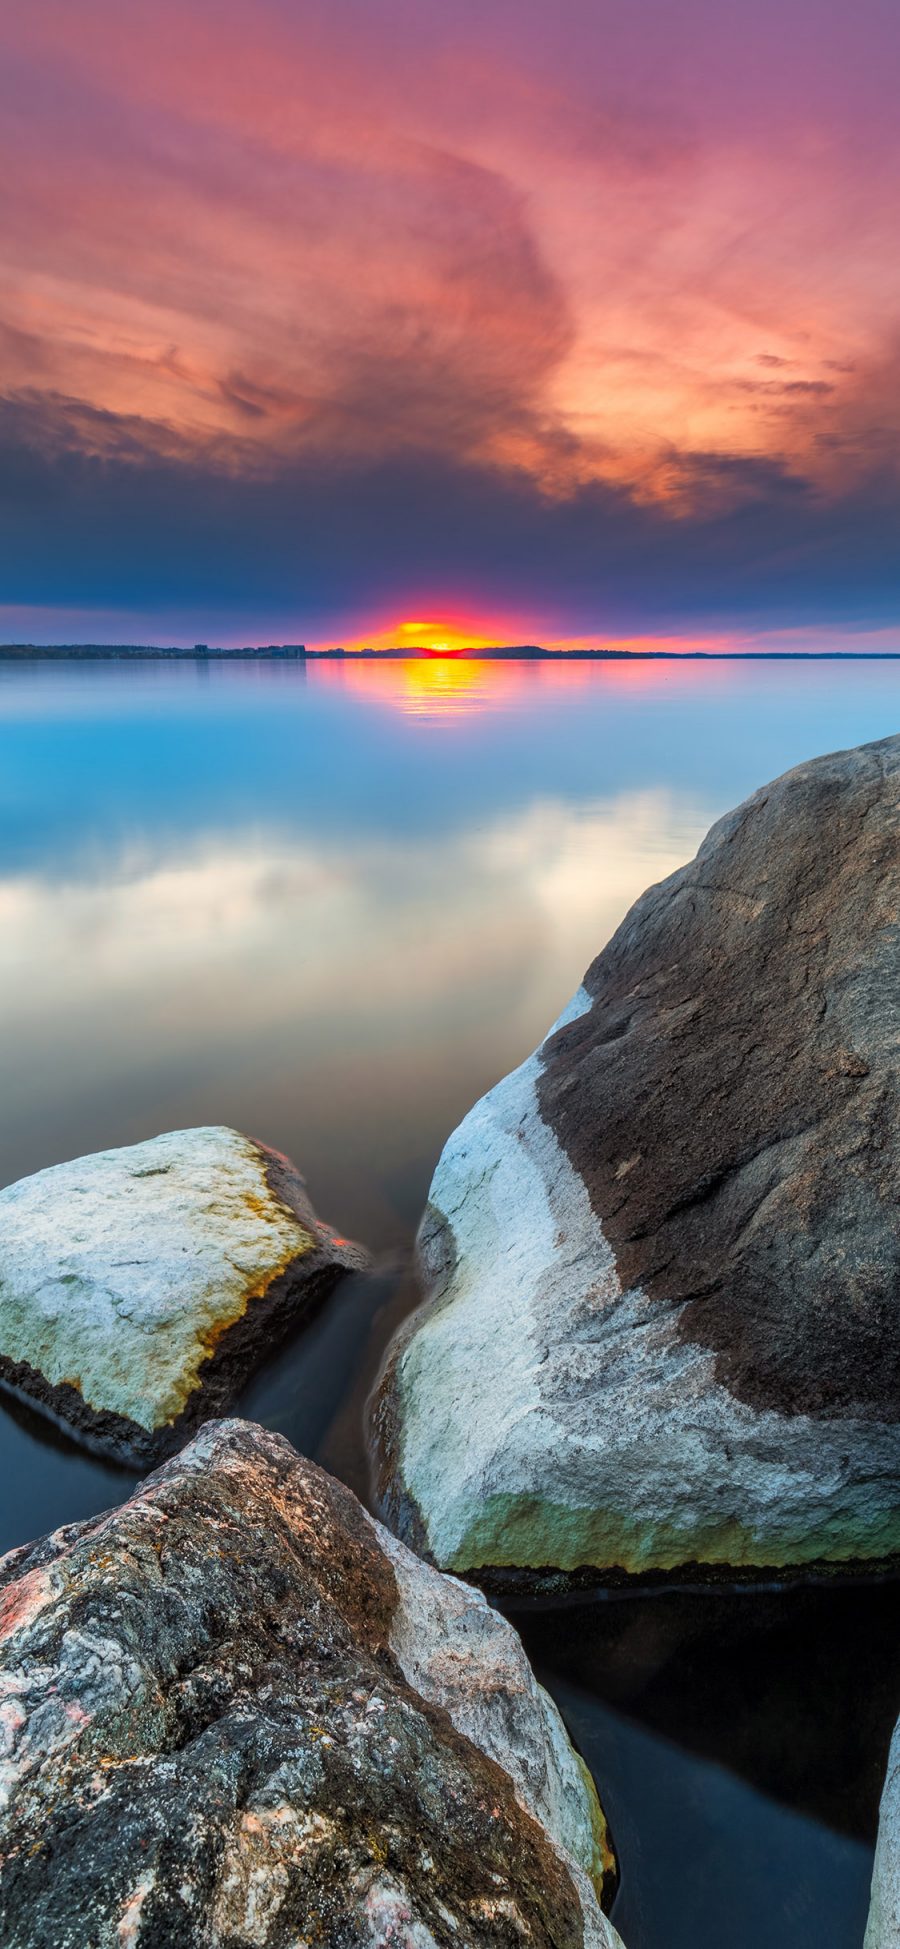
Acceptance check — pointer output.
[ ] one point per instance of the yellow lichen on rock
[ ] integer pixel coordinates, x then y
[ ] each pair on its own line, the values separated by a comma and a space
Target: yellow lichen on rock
122, 1273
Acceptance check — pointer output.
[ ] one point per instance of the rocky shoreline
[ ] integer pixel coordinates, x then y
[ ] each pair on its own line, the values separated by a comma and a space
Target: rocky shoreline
658, 1342
141, 1286
661, 1259
237, 1711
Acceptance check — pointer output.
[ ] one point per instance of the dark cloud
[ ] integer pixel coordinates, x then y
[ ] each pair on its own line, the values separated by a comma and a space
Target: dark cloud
162, 535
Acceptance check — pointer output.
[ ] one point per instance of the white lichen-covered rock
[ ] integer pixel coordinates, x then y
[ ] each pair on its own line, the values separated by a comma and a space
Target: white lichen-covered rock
661, 1259
139, 1286
883, 1930
237, 1712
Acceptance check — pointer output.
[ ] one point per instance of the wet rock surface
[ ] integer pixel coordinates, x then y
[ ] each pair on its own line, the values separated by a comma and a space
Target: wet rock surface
139, 1287
236, 1712
662, 1259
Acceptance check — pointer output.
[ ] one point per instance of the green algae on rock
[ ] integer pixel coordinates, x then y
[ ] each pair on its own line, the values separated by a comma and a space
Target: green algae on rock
661, 1259
139, 1286
239, 1712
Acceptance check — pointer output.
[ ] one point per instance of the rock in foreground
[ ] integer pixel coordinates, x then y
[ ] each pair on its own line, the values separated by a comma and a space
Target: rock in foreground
139, 1287
883, 1930
236, 1712
662, 1259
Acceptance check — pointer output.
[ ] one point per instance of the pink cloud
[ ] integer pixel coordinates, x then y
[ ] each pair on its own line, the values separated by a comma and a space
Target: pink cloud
583, 246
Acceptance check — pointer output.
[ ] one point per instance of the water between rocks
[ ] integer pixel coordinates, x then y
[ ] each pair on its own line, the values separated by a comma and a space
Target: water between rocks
331, 906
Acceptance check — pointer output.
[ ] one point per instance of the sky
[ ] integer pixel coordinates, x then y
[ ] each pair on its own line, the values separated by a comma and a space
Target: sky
391, 320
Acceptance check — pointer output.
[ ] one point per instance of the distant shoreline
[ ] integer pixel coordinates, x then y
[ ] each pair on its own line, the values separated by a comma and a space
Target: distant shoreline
519, 653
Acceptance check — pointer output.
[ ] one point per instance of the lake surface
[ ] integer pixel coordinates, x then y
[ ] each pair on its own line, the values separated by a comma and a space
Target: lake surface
331, 905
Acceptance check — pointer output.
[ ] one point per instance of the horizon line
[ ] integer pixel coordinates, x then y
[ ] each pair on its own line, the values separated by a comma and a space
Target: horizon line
523, 652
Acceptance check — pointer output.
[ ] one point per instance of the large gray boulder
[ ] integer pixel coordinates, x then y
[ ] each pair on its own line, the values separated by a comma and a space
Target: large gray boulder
662, 1259
237, 1712
883, 1929
139, 1287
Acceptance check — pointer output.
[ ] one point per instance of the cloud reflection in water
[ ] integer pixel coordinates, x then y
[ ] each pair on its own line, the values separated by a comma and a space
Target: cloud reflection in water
344, 999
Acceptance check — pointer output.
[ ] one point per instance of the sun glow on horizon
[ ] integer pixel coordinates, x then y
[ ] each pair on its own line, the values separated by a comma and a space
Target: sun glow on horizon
459, 637
438, 634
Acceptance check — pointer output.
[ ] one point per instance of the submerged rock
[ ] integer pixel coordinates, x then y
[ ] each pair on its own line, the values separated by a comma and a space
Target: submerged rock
883, 1928
139, 1287
662, 1258
237, 1712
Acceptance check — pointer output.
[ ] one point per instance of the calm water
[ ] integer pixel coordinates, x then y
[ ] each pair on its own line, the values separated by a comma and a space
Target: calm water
331, 906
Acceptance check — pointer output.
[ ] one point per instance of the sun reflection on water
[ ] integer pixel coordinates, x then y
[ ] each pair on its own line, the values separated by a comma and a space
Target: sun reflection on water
442, 689
452, 688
